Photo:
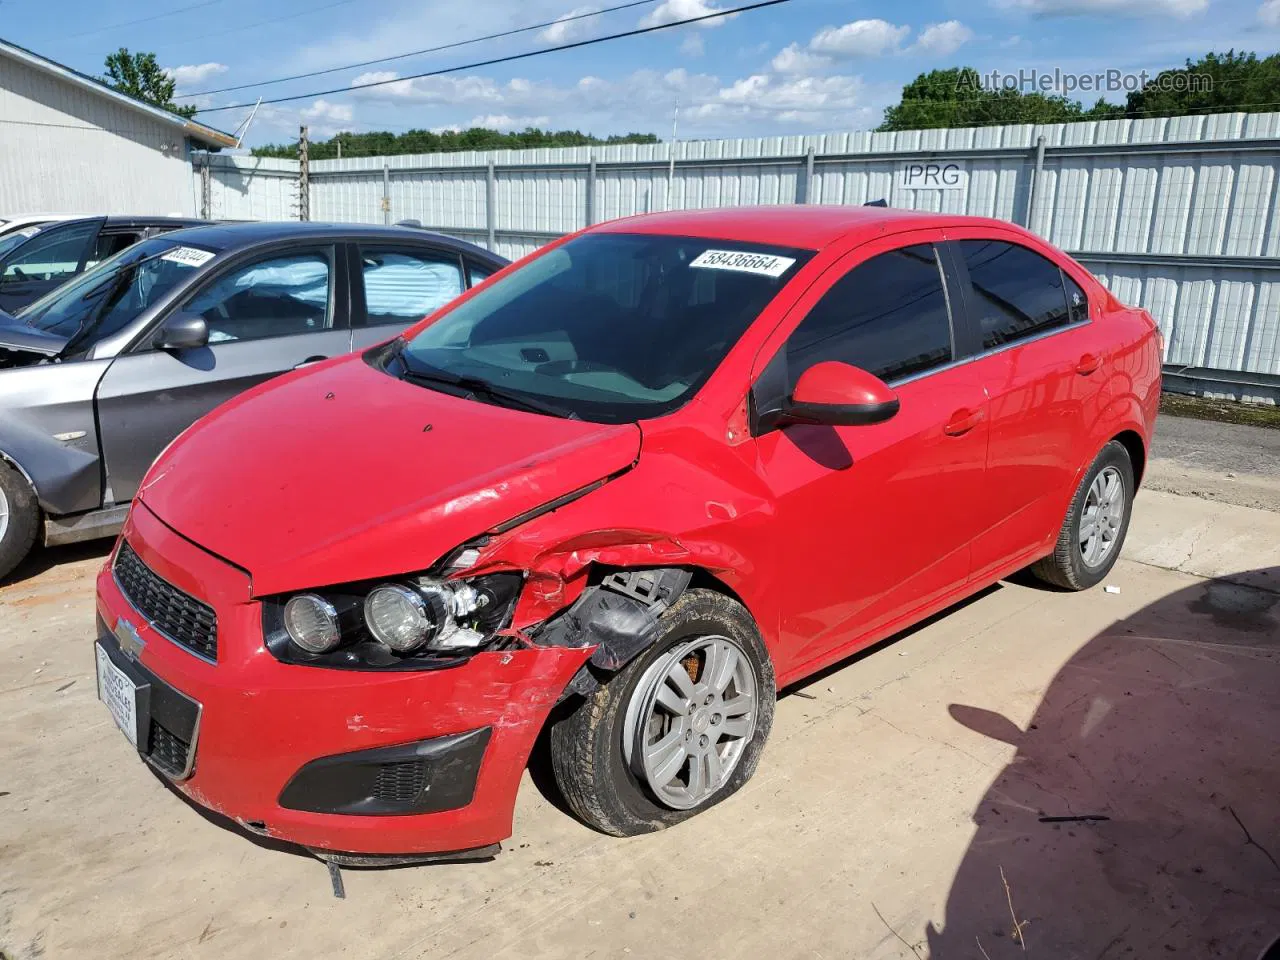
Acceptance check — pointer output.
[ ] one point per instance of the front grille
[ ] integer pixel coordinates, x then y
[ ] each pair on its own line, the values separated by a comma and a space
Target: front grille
180, 617
399, 782
167, 750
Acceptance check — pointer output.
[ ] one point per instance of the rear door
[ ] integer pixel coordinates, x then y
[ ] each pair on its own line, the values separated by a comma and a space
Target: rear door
1042, 362
877, 521
46, 262
267, 314
397, 284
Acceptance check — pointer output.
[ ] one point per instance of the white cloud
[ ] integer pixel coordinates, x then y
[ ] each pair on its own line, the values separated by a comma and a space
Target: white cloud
669, 11
501, 121
943, 39
323, 110
566, 29
861, 38
792, 59
1269, 13
643, 98
1011, 41
194, 74
692, 45
1121, 8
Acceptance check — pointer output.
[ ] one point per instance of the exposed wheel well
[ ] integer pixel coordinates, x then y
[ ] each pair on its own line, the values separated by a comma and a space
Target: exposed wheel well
1132, 442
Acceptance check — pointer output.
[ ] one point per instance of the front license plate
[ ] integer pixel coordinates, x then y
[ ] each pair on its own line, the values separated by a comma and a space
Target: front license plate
119, 693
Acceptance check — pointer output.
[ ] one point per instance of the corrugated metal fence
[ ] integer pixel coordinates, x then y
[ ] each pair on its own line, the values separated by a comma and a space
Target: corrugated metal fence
1177, 215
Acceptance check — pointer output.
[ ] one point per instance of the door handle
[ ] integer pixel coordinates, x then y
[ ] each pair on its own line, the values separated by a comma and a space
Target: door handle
309, 361
1088, 364
962, 421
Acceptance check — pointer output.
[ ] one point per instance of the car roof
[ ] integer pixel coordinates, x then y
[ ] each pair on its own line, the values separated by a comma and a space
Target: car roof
804, 227
131, 221
224, 236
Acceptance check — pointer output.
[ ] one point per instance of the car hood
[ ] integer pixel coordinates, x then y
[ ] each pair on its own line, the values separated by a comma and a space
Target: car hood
343, 473
17, 336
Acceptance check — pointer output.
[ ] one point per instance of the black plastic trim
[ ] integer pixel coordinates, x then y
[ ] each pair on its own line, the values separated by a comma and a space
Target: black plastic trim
346, 783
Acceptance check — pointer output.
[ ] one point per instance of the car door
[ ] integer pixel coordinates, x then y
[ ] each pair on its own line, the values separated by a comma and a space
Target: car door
1042, 364
267, 314
45, 262
397, 284
875, 522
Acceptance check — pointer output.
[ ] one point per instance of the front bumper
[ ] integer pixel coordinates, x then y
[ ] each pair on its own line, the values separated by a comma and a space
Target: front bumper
261, 722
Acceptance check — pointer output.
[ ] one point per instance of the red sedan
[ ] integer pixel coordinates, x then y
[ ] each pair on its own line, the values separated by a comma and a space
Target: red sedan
628, 488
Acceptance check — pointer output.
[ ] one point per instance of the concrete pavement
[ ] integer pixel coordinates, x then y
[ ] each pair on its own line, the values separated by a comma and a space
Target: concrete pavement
894, 792
1230, 462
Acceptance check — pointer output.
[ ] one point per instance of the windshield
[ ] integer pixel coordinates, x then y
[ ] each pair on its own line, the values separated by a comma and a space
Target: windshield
608, 327
103, 300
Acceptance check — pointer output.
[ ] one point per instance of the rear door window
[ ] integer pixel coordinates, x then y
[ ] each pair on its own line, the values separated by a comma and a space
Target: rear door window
1017, 293
403, 284
888, 315
109, 244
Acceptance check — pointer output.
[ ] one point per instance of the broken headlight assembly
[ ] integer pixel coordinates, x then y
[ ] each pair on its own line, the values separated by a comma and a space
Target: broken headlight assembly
406, 623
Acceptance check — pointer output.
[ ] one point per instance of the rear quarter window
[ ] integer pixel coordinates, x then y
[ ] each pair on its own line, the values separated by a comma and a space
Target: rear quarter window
1017, 293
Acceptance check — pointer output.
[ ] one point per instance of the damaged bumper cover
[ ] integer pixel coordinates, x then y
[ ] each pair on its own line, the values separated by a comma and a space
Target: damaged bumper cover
451, 744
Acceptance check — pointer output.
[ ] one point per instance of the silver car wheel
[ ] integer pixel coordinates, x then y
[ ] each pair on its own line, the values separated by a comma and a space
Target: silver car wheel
1102, 517
4, 514
690, 719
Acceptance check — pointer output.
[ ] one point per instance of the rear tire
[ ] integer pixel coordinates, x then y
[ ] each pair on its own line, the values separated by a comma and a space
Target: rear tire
1097, 521
19, 518
601, 751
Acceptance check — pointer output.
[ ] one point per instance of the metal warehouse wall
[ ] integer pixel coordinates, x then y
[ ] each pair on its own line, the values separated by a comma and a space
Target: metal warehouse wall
1176, 215
64, 150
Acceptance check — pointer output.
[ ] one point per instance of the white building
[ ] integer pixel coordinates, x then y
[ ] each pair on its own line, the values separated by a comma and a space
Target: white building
69, 143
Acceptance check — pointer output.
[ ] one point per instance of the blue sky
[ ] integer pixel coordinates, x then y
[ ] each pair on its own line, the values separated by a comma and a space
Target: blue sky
806, 66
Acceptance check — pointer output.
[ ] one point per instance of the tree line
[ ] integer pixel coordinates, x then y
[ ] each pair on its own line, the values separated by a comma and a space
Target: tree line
386, 144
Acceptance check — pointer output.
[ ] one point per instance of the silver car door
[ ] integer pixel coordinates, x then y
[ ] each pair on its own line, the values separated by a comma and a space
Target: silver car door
266, 315
396, 284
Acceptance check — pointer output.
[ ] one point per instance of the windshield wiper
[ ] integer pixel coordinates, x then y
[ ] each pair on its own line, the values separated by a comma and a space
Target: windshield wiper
475, 388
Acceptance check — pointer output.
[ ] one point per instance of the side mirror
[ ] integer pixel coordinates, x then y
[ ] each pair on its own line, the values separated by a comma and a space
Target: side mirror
183, 331
839, 395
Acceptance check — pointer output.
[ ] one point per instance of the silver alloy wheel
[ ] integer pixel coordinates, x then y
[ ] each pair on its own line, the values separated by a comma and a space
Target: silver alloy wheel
1102, 517
4, 515
690, 720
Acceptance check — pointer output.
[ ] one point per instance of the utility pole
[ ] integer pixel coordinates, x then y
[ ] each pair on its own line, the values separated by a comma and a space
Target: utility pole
304, 176
338, 141
206, 174
671, 165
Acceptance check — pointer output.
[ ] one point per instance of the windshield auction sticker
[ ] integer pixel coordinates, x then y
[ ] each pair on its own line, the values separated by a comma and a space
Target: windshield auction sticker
765, 264
188, 256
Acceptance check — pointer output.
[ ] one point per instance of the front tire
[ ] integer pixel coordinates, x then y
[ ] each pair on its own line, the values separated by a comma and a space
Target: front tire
1093, 533
19, 518
677, 730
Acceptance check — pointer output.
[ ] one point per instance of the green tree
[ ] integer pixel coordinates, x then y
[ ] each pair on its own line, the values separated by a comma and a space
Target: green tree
957, 98
1216, 83
139, 76
386, 144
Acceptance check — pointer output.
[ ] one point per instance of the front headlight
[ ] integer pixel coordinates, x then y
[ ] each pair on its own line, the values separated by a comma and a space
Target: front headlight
409, 623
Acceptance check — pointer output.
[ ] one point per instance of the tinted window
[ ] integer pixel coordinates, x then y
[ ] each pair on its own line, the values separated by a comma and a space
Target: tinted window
1017, 293
1077, 301
51, 255
404, 285
478, 274
277, 297
888, 316
609, 327
109, 244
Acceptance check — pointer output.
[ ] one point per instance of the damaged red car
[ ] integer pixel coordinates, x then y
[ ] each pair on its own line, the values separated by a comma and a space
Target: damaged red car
624, 491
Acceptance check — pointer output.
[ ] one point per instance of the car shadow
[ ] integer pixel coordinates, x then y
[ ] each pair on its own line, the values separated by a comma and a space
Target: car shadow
1140, 815
43, 559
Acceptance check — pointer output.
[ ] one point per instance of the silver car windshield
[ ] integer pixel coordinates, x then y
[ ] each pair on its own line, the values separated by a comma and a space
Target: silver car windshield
106, 298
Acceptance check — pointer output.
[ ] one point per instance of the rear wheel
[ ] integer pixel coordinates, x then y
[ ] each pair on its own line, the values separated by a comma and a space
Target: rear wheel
675, 731
1093, 533
19, 518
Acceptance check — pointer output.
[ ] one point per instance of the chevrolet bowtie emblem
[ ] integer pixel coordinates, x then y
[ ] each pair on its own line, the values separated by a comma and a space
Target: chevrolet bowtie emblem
130, 641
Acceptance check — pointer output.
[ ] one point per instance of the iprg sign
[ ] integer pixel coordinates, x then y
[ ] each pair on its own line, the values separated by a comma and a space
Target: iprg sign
932, 175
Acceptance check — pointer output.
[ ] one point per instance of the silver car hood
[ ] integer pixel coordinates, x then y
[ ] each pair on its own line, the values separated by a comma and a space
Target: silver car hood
16, 335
